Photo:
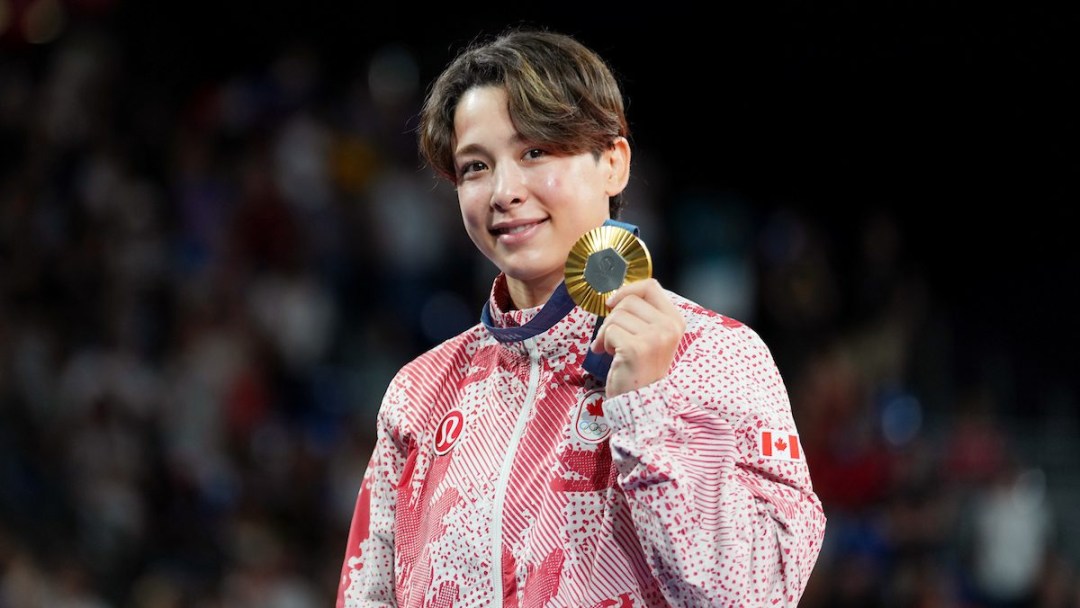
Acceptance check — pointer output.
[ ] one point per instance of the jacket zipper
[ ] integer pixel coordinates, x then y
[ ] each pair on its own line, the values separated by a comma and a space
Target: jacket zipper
508, 465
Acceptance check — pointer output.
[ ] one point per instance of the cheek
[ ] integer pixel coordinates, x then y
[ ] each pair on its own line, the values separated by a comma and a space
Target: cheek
468, 202
557, 185
550, 182
473, 216
581, 191
578, 183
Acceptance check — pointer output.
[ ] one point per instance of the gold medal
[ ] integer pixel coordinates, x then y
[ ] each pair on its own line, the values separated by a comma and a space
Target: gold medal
601, 261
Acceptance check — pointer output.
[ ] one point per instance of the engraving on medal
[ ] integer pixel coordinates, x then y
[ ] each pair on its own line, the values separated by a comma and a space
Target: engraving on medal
605, 270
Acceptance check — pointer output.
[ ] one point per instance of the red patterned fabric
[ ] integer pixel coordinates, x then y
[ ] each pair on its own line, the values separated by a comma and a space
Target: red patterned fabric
501, 471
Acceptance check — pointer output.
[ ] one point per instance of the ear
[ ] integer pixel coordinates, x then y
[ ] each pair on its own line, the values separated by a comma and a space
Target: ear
617, 162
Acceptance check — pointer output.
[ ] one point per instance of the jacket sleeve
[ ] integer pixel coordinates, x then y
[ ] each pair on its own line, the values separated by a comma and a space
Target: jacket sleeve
723, 521
367, 573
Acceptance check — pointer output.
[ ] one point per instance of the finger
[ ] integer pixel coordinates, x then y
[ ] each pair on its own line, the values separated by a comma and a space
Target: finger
661, 313
632, 316
598, 343
651, 327
616, 338
627, 322
636, 306
638, 288
648, 290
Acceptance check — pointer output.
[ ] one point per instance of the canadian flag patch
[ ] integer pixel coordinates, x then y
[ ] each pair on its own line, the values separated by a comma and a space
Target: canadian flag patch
783, 445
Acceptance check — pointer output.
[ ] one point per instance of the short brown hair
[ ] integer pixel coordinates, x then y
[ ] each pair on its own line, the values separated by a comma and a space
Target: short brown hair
561, 94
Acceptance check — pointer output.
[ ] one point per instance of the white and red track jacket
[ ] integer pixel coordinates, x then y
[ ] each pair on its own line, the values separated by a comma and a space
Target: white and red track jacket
501, 471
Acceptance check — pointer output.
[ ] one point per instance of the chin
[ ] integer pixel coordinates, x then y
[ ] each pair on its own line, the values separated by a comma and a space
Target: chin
531, 274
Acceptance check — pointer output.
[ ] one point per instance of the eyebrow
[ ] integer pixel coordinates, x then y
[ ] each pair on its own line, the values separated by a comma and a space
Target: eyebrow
474, 148
469, 149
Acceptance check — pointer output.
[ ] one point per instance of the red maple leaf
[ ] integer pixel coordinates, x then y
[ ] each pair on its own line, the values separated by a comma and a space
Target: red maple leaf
595, 408
730, 323
780, 445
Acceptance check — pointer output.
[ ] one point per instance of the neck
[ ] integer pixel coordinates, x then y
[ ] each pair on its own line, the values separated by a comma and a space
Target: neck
530, 294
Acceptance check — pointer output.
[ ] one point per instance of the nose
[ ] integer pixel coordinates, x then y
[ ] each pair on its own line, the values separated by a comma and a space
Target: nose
510, 186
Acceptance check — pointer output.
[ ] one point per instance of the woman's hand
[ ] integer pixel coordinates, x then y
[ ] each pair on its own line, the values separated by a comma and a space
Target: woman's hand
641, 333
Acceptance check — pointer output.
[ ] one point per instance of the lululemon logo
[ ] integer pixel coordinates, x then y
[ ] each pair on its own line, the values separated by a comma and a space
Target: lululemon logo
589, 422
450, 428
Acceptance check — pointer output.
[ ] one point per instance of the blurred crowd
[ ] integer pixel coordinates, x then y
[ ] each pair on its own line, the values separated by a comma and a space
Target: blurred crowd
203, 297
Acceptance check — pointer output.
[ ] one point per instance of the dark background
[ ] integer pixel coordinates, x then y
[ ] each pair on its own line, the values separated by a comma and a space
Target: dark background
957, 117
778, 131
960, 117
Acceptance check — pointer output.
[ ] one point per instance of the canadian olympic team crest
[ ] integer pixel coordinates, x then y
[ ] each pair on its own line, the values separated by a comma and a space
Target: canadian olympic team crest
589, 423
449, 431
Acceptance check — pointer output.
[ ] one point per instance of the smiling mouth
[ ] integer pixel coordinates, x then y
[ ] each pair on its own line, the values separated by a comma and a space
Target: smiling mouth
516, 229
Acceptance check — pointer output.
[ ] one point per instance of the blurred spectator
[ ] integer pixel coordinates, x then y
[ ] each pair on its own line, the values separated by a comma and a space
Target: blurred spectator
1012, 529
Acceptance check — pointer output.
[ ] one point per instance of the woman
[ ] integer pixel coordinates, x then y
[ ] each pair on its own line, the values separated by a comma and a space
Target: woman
508, 471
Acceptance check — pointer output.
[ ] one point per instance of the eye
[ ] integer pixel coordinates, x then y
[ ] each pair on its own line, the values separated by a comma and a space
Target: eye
470, 167
534, 153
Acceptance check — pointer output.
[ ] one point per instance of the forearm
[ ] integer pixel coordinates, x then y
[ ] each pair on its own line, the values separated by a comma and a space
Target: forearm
367, 574
715, 531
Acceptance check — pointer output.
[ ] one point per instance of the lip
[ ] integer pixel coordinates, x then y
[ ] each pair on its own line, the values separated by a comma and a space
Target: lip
524, 229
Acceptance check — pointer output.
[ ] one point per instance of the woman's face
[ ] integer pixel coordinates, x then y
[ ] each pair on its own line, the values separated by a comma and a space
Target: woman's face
524, 206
